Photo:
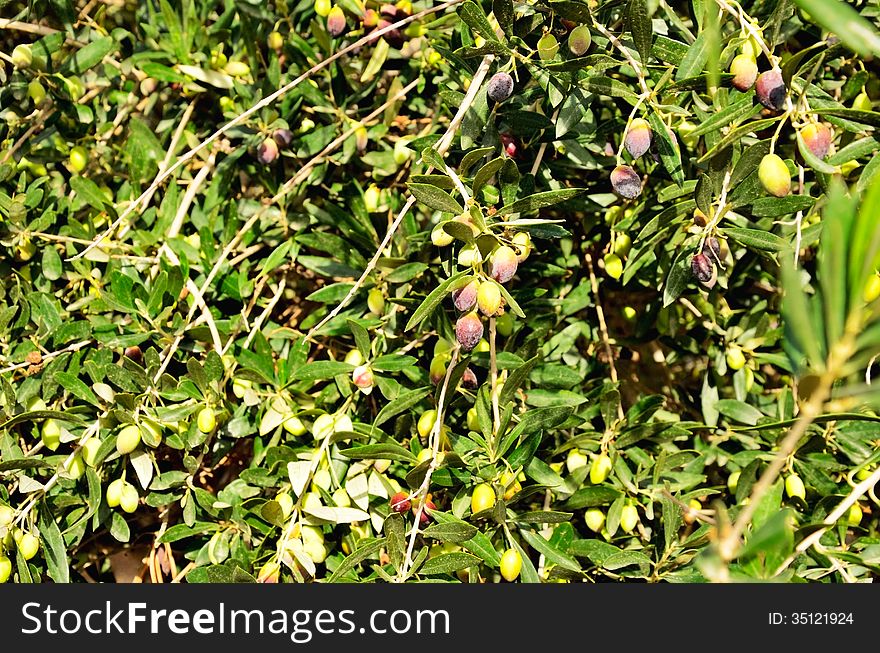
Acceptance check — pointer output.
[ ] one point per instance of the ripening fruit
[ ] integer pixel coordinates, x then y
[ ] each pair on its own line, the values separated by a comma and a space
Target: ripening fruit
114, 492
5, 568
75, 466
733, 482
872, 289
362, 377
579, 40
128, 439
500, 87
854, 516
206, 420
600, 469
294, 426
770, 89
473, 422
595, 519
512, 485
712, 248
548, 46
702, 268
861, 475
503, 262
575, 460
376, 301
400, 502
638, 138
336, 24
7, 515
862, 102
735, 358
267, 151
286, 502
468, 330
237, 69
626, 182
323, 7
437, 369
489, 298
440, 237
483, 498
425, 517
469, 255
522, 245
78, 159
129, 498
613, 265
465, 298
275, 41
774, 175
50, 434
469, 379
28, 545
36, 92
745, 71
629, 517
504, 324
817, 137
794, 487
622, 245
511, 565
22, 57
426, 422
240, 387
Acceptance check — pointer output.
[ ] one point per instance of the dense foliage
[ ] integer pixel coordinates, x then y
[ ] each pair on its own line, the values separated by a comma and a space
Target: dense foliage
548, 291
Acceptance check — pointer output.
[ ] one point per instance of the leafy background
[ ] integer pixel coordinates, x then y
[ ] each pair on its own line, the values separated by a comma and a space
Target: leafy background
154, 263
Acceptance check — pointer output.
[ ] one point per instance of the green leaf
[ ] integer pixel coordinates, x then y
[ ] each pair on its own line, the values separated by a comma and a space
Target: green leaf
387, 450
400, 404
757, 239
550, 552
363, 552
667, 147
844, 21
472, 14
739, 411
435, 198
516, 379
88, 191
457, 280
640, 27
451, 532
88, 56
479, 544
448, 563
541, 200
743, 109
695, 59
679, 276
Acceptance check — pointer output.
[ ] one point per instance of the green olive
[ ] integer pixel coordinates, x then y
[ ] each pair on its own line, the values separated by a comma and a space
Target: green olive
511, 565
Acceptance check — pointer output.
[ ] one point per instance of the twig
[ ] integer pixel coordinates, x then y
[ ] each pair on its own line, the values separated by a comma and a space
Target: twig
442, 145
242, 117
832, 518
74, 347
422, 492
301, 175
603, 328
493, 370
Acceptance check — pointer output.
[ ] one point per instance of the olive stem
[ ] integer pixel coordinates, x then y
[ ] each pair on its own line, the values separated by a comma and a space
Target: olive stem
422, 492
242, 117
246, 227
493, 367
842, 508
603, 332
